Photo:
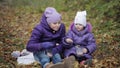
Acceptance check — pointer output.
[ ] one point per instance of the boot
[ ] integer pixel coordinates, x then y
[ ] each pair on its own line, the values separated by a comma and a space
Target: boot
69, 62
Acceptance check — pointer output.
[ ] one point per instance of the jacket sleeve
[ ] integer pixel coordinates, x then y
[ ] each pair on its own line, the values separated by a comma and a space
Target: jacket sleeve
68, 35
59, 48
91, 44
34, 44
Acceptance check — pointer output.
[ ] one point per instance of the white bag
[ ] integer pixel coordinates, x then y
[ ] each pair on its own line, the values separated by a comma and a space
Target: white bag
27, 59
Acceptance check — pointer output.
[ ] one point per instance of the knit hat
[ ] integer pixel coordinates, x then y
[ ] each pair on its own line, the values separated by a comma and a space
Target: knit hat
52, 15
80, 18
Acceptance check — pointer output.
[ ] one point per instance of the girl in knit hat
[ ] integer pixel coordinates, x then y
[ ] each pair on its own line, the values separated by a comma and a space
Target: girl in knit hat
79, 41
45, 41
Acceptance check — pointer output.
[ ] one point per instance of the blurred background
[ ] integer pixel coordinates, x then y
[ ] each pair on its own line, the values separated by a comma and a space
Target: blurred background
18, 18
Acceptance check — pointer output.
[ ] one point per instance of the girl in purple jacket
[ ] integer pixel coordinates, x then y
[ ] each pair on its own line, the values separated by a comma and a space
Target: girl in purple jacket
45, 41
79, 41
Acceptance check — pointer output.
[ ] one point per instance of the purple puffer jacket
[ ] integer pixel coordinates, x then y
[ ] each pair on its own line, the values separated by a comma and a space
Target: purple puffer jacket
83, 38
43, 33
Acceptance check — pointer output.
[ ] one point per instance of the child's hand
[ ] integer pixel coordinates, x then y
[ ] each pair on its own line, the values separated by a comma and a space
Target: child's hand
57, 44
49, 54
84, 50
68, 40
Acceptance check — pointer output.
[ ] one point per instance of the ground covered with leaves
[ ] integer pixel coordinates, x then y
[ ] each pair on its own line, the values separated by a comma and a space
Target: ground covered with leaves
16, 26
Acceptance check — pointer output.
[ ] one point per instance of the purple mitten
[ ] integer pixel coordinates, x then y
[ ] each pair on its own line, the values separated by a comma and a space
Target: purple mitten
47, 45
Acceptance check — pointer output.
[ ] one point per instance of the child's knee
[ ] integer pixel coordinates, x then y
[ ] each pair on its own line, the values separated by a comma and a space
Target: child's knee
44, 61
57, 58
57, 55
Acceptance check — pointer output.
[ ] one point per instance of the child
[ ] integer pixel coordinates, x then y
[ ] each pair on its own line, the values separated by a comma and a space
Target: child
79, 41
45, 41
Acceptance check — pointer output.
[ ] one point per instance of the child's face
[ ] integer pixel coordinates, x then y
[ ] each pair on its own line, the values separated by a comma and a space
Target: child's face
55, 26
79, 27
